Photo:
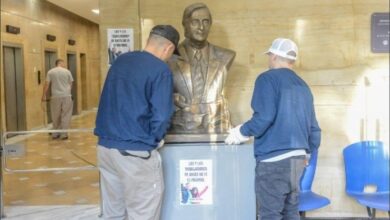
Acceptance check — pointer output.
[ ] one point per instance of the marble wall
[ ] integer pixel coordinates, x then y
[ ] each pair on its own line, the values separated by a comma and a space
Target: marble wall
349, 82
37, 18
115, 15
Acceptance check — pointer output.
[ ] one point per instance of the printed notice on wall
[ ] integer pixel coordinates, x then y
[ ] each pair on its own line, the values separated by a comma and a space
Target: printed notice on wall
119, 41
196, 182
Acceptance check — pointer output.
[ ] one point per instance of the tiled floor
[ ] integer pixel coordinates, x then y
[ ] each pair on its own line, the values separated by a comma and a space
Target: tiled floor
54, 187
77, 212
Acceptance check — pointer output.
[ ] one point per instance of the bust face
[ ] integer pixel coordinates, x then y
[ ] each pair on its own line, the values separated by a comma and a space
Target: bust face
197, 27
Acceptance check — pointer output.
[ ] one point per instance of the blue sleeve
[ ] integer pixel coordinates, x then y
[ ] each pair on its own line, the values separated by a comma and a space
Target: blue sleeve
315, 133
161, 105
264, 102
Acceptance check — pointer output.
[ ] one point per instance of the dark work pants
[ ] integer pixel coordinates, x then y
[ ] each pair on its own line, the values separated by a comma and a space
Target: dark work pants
277, 188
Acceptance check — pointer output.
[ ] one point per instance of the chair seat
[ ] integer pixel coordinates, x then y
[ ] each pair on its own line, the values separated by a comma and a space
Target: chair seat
309, 200
379, 201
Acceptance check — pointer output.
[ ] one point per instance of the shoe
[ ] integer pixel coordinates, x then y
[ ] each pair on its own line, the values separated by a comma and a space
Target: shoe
55, 137
64, 137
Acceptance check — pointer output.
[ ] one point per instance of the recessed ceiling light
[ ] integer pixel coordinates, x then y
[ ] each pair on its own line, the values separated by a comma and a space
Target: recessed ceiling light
96, 11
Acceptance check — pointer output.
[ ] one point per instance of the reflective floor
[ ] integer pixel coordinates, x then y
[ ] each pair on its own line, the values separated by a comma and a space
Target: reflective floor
59, 186
74, 212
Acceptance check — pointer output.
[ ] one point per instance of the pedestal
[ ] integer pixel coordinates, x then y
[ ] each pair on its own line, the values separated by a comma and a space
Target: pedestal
229, 169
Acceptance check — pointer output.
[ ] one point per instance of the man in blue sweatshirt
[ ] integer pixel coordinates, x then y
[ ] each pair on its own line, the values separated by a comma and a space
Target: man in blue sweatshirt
285, 129
133, 116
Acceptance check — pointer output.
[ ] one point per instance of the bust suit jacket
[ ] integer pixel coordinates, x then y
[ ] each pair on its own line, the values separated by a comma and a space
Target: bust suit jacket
211, 114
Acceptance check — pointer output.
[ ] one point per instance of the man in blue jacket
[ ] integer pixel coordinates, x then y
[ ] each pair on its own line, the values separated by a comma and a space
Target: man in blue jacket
285, 129
133, 116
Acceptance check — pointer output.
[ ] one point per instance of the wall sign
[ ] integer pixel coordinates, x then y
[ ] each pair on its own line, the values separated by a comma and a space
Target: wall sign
50, 37
196, 182
12, 29
380, 24
119, 41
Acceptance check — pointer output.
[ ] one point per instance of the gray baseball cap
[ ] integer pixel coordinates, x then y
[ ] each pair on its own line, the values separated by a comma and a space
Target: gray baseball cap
168, 32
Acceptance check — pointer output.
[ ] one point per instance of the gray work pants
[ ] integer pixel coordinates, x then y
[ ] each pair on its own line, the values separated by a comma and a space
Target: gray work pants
61, 113
277, 188
132, 187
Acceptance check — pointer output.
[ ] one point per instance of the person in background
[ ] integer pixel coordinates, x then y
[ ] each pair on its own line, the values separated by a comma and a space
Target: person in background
133, 116
285, 129
61, 103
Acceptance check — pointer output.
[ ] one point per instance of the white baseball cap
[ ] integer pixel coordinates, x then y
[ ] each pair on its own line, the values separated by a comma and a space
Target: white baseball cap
284, 47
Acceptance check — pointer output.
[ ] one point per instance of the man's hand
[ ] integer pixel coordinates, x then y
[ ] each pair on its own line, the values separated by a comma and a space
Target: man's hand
235, 136
45, 88
180, 101
160, 144
231, 139
307, 159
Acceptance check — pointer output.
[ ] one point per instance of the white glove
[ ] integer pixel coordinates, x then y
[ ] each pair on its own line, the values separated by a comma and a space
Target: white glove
235, 136
160, 144
231, 139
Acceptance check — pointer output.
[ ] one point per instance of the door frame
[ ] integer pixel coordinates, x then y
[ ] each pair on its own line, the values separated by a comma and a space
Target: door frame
76, 82
83, 81
2, 80
52, 50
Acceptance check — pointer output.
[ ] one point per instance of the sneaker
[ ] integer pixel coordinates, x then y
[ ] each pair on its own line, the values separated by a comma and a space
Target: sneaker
55, 137
64, 137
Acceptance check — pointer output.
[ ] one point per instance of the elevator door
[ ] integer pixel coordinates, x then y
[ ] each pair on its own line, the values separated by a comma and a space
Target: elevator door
15, 109
50, 62
72, 66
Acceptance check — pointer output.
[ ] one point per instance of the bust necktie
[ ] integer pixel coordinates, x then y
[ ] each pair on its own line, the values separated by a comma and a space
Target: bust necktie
197, 77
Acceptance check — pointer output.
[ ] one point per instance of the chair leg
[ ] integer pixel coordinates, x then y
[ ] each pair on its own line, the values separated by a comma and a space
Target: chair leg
302, 214
371, 212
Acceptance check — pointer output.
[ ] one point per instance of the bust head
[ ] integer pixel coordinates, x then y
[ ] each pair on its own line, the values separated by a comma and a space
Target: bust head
197, 22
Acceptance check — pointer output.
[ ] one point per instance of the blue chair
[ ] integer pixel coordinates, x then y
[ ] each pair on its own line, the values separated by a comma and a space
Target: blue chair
309, 200
367, 164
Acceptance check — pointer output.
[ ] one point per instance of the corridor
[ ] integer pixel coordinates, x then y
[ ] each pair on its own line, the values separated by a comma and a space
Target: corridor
61, 188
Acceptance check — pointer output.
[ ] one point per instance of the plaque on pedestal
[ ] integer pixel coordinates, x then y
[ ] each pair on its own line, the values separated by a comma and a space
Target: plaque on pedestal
223, 176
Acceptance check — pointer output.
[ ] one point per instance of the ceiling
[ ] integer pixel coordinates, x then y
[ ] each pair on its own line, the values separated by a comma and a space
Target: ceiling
82, 8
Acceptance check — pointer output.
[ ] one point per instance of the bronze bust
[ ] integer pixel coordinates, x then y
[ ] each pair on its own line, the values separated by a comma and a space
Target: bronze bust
199, 74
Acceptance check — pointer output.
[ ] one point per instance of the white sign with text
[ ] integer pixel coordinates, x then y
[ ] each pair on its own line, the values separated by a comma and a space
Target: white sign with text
196, 182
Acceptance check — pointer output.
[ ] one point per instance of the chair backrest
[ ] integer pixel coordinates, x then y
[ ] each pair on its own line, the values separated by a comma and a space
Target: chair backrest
366, 163
308, 173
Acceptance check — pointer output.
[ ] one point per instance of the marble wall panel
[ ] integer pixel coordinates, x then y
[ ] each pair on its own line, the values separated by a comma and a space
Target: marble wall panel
117, 14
